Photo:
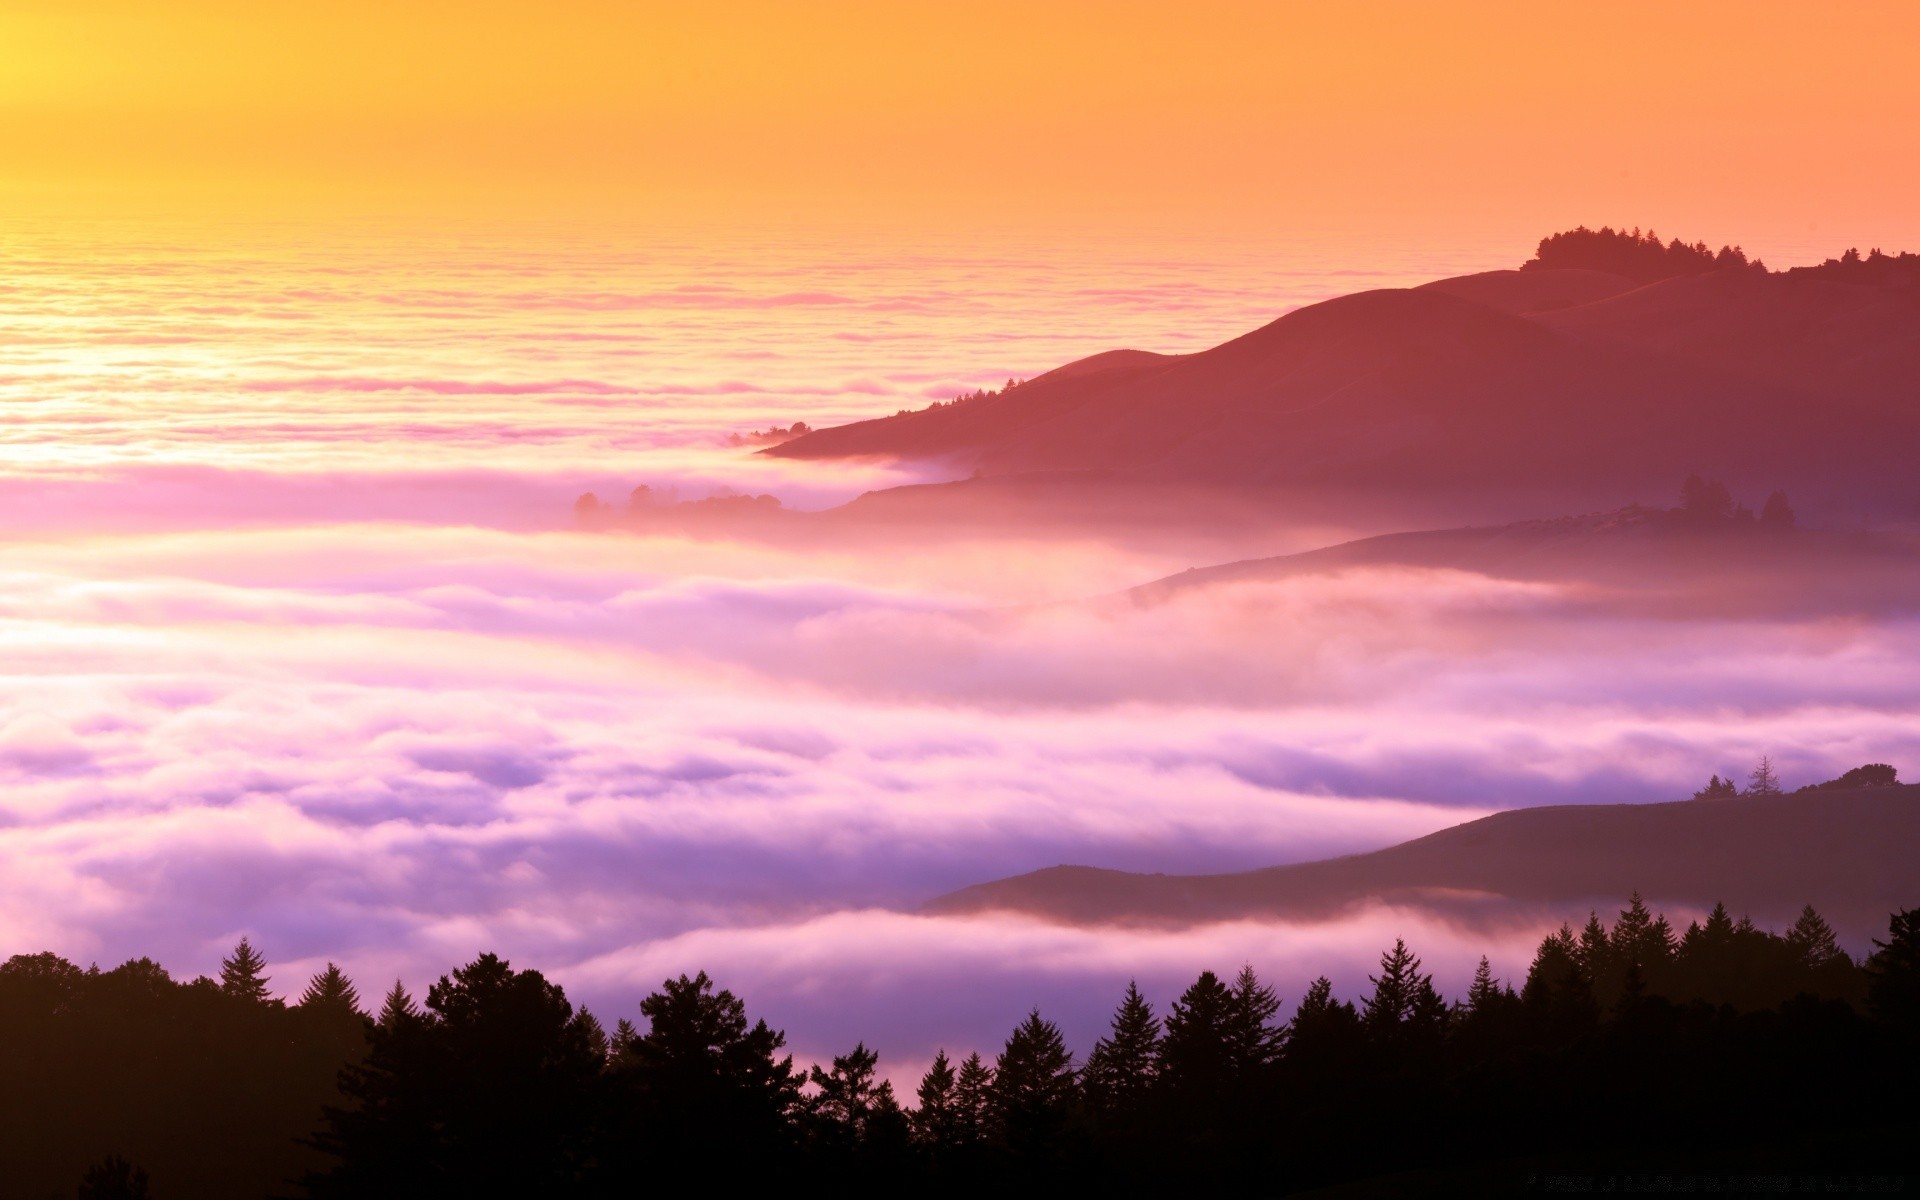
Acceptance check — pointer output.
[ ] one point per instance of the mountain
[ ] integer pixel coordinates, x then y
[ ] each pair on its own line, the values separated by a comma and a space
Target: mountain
1565, 385
1647, 560
1849, 853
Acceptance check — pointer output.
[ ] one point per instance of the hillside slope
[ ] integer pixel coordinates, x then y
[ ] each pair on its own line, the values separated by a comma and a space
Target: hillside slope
1851, 854
1545, 381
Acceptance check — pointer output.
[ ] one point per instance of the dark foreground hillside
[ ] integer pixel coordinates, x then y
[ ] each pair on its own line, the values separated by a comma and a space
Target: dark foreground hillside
1849, 853
1631, 1051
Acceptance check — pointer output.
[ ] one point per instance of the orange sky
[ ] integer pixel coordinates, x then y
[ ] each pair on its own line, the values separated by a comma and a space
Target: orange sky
1716, 120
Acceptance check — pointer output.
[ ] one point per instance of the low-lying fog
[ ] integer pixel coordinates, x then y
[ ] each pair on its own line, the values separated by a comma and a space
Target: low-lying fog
620, 756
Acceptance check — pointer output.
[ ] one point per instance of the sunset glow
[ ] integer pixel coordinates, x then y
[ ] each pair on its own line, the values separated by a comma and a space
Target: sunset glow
623, 486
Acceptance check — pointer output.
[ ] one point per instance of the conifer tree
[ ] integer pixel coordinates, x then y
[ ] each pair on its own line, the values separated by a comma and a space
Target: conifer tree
624, 1036
1033, 1087
1763, 780
937, 1120
397, 1008
1396, 991
1893, 974
1483, 994
241, 975
1196, 1056
1811, 941
595, 1034
331, 989
1254, 1039
973, 1097
1594, 953
1125, 1064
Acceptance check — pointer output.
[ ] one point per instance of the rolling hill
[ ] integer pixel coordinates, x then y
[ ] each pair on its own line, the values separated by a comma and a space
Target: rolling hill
1575, 385
1849, 853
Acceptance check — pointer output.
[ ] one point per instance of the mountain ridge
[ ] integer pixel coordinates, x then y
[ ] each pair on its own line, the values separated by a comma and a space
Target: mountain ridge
1849, 853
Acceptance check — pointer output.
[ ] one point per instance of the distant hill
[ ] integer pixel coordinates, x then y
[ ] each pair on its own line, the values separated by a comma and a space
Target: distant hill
1563, 384
1646, 558
1849, 853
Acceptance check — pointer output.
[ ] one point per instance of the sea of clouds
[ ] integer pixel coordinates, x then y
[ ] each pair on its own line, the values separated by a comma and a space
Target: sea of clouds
296, 643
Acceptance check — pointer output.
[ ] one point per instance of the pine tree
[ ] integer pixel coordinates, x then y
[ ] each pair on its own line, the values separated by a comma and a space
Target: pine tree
1395, 991
1483, 992
937, 1121
241, 975
398, 1008
1125, 1064
1594, 954
1764, 781
1893, 973
595, 1034
973, 1097
333, 990
1196, 1056
624, 1036
1033, 1087
1254, 1039
1811, 941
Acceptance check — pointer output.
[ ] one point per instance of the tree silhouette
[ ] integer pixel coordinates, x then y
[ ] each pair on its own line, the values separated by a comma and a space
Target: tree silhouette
1033, 1090
1400, 993
397, 1007
1763, 780
1124, 1066
242, 975
488, 1092
1812, 942
114, 1179
1254, 1037
1777, 513
850, 1101
331, 989
705, 1086
973, 1097
1893, 974
938, 1123
1197, 1054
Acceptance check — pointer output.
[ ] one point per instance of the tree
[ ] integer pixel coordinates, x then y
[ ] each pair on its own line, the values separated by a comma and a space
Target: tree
487, 1092
114, 1179
1777, 513
331, 989
1811, 941
706, 1086
398, 1007
1764, 782
1196, 1056
1033, 1088
1717, 789
937, 1122
1396, 997
849, 1099
242, 977
973, 1097
1125, 1064
1254, 1038
1705, 500
1893, 973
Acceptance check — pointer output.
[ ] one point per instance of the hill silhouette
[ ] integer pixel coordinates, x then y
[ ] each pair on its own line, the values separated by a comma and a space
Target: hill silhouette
1648, 559
1849, 853
1567, 383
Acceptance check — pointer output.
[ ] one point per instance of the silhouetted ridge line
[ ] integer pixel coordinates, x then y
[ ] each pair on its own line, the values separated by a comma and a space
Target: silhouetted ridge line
1765, 1048
1847, 850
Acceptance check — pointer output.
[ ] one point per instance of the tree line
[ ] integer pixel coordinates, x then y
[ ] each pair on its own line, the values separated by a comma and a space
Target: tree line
1627, 1045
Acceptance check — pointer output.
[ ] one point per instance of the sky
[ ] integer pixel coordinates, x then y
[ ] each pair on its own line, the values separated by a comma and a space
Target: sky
1750, 120
315, 320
